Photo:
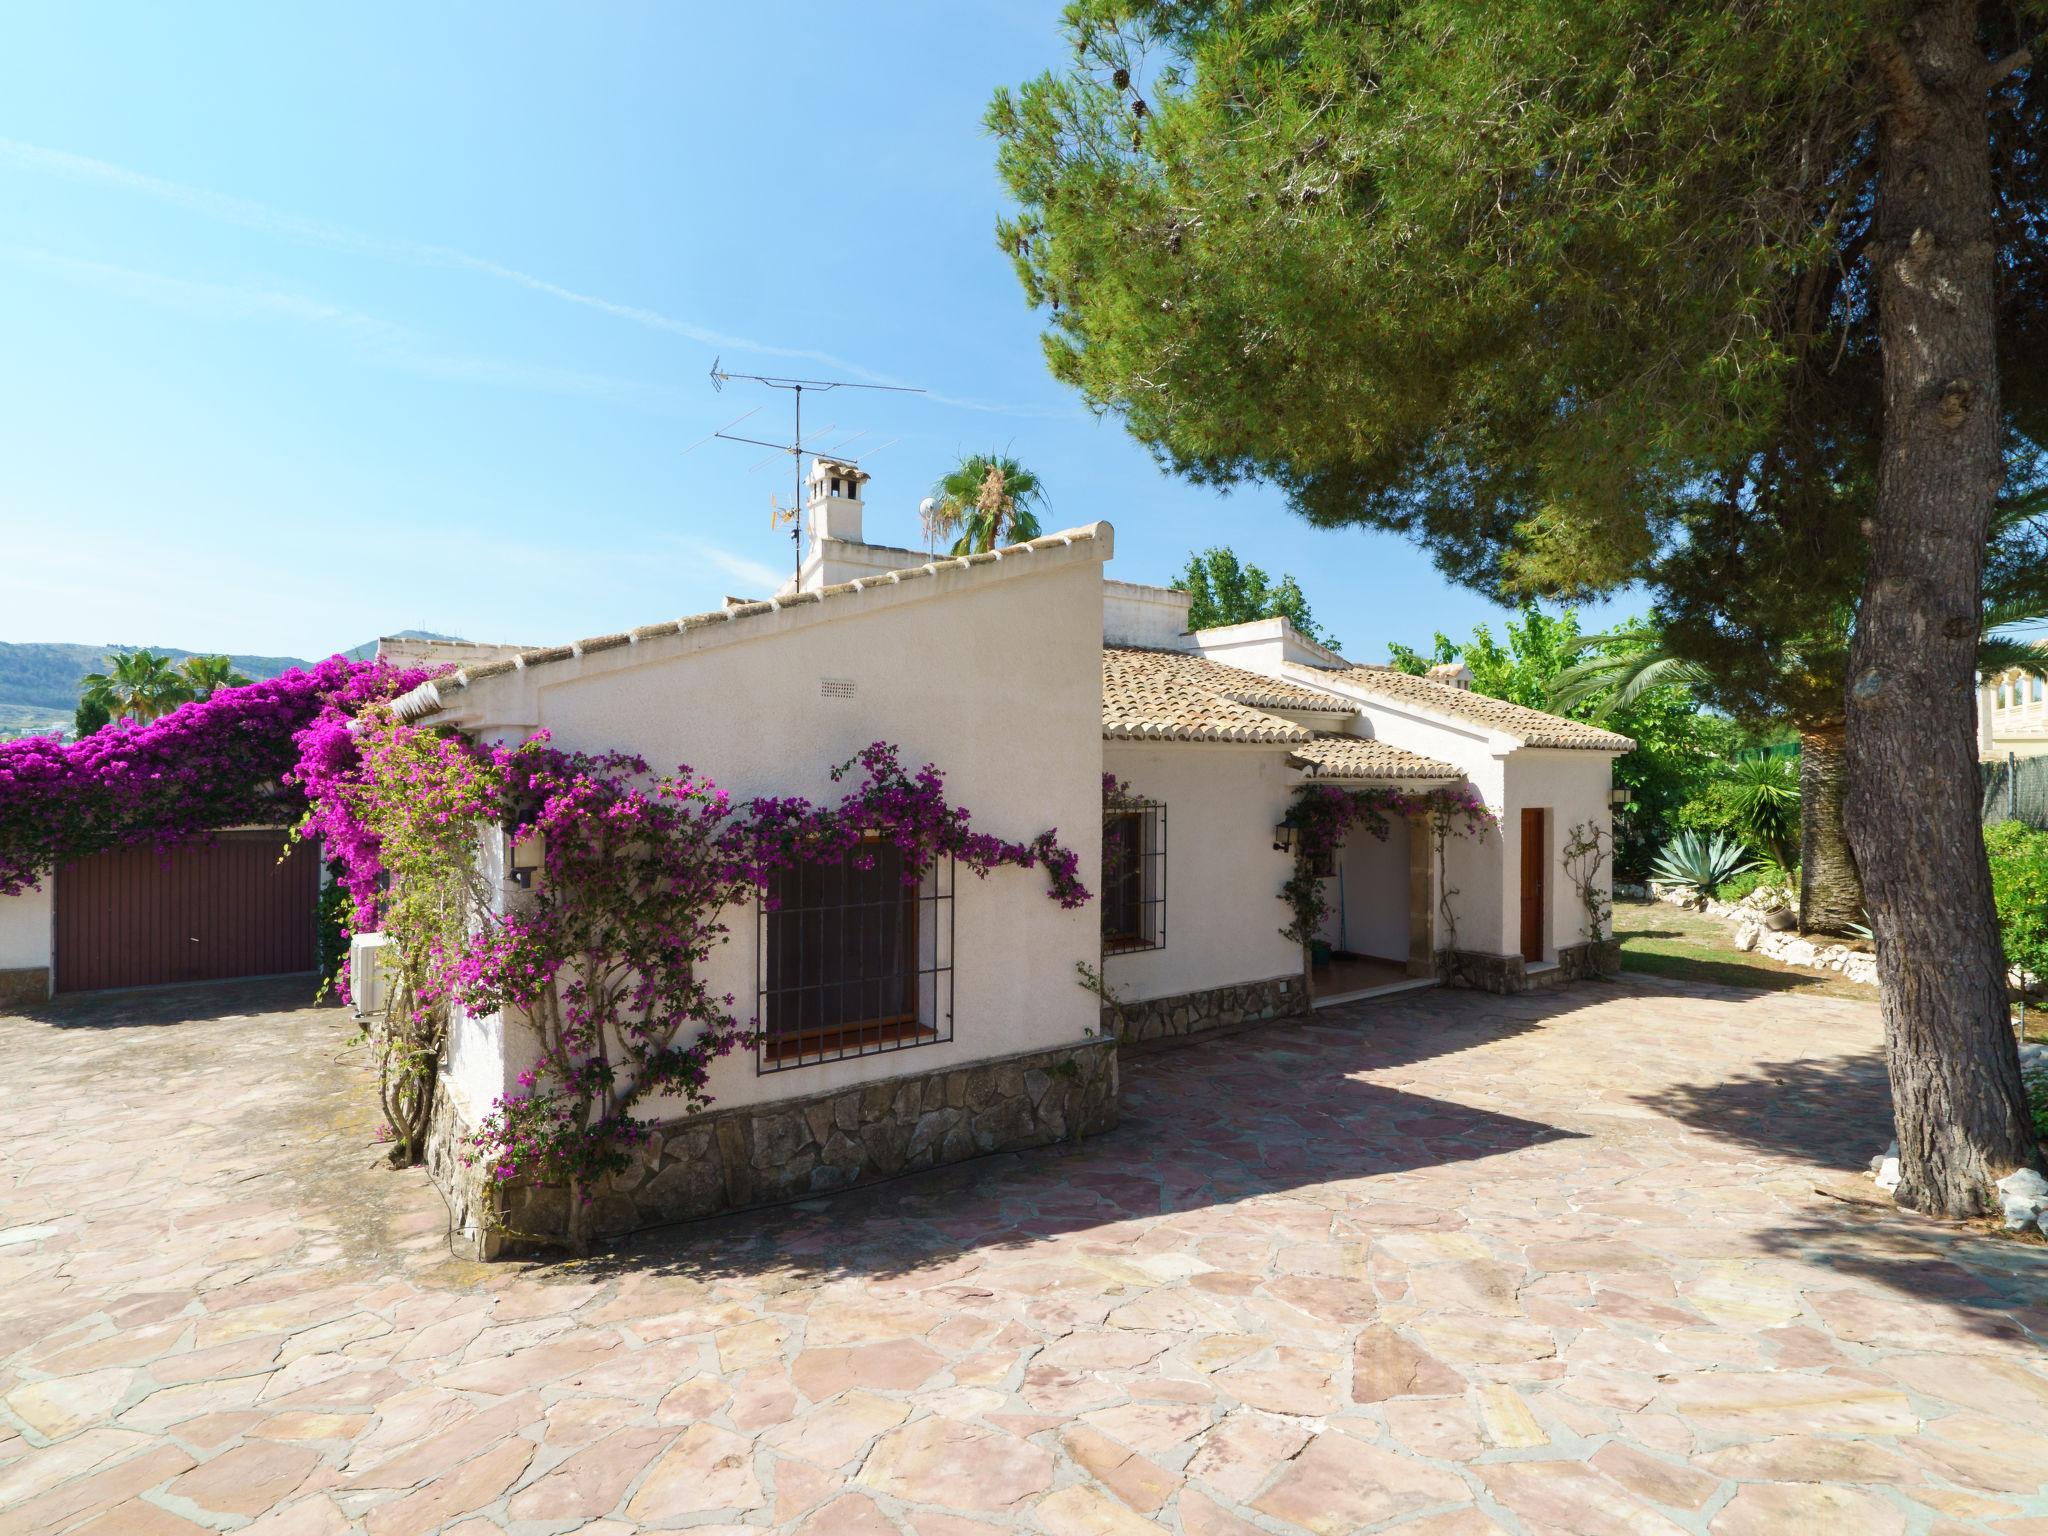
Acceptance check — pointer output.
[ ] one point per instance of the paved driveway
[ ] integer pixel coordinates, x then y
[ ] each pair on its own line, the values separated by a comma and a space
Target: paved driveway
1597, 1261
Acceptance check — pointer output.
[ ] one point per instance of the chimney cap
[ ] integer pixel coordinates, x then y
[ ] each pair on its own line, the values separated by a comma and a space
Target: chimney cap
823, 467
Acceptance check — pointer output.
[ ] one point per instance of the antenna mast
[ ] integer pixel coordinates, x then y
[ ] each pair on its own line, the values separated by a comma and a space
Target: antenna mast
794, 514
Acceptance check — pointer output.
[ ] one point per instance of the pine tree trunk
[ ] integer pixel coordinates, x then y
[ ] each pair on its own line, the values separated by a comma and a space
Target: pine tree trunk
1956, 1095
1830, 889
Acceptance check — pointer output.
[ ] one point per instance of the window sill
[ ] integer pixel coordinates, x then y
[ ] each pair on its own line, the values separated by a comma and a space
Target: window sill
815, 1047
1112, 947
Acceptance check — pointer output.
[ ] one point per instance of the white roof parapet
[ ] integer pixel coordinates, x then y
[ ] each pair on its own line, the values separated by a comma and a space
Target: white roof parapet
423, 703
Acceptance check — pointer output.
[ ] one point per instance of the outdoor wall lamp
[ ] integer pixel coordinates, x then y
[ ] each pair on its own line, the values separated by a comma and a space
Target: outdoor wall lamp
1619, 795
527, 857
1283, 838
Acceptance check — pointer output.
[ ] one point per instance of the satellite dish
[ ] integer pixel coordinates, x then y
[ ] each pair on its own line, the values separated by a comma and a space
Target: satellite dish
924, 508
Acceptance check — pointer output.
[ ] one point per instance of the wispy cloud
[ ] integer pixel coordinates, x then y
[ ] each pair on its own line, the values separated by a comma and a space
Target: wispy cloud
281, 224
758, 577
383, 340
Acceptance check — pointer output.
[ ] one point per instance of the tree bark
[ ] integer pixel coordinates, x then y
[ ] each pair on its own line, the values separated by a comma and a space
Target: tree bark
1956, 1095
1830, 889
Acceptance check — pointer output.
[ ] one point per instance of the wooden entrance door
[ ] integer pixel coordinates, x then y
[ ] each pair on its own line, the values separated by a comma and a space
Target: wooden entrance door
137, 917
1534, 887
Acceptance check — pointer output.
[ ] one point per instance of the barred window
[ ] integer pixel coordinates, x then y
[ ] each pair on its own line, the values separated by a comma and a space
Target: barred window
1134, 877
855, 958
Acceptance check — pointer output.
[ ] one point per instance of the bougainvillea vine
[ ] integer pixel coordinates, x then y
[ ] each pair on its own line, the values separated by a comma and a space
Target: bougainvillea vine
221, 761
1324, 815
602, 953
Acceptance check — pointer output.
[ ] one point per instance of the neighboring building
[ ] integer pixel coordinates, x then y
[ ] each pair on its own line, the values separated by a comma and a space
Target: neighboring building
1025, 677
2012, 716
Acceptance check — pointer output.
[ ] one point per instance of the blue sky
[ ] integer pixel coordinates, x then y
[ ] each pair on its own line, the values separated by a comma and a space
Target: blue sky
323, 323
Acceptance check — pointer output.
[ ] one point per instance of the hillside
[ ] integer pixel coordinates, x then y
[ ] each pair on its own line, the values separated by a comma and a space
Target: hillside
39, 681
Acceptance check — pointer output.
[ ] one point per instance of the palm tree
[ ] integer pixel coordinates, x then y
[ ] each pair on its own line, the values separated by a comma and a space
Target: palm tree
2015, 585
205, 674
1622, 665
988, 500
137, 685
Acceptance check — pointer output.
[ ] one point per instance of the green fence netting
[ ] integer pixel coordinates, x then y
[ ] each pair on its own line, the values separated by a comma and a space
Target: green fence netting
2014, 789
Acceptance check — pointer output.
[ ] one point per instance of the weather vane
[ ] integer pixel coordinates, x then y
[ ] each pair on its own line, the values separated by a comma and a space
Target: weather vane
791, 516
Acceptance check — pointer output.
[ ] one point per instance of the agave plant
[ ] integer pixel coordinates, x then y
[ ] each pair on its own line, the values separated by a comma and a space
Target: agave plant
1701, 862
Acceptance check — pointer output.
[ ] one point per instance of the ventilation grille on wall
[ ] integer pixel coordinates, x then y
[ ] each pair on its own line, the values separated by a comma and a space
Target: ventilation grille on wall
835, 688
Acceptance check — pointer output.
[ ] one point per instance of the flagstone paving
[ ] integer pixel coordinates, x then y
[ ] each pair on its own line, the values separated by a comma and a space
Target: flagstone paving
1594, 1261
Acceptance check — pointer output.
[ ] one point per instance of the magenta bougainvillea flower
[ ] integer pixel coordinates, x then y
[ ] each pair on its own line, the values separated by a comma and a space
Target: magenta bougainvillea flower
226, 760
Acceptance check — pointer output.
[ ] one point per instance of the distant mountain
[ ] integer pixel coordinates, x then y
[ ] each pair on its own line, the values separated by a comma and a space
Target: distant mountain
39, 682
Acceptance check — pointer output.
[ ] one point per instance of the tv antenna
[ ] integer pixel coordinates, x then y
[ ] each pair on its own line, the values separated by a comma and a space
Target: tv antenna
792, 515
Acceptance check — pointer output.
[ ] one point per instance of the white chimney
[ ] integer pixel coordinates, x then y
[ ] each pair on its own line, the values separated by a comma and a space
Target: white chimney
833, 501
1454, 674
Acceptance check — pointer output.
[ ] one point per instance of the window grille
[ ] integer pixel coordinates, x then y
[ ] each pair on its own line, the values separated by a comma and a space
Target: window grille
853, 959
1134, 877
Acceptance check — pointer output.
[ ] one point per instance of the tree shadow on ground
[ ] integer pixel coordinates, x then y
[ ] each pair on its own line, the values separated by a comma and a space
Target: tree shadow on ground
154, 1007
1248, 1117
1719, 973
1996, 1285
1836, 1113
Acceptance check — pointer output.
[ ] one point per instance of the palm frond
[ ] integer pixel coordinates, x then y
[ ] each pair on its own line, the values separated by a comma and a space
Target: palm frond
1997, 654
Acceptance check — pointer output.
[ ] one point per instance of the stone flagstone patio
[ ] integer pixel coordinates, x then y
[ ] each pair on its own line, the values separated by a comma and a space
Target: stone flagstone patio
1594, 1261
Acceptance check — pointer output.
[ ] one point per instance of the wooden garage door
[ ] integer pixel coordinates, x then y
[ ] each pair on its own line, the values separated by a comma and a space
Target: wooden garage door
137, 917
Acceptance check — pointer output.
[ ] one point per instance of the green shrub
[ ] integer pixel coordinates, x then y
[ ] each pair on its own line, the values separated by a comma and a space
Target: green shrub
1704, 863
1756, 879
2019, 884
2037, 1102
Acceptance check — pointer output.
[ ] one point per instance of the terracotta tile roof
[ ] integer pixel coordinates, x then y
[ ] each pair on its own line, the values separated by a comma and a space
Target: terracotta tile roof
1533, 727
1358, 757
1173, 696
431, 697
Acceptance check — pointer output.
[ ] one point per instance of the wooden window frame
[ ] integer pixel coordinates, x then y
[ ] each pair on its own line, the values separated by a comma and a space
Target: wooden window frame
1148, 931
925, 1016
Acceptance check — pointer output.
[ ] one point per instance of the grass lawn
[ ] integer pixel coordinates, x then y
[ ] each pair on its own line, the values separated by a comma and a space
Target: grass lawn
1691, 946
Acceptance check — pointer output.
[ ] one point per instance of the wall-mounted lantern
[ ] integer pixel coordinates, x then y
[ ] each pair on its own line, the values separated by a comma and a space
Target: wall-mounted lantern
1619, 795
528, 855
1283, 838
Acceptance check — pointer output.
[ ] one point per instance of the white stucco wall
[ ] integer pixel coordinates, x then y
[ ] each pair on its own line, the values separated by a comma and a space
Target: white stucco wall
26, 928
993, 675
1154, 617
1263, 645
1573, 787
1368, 895
1223, 878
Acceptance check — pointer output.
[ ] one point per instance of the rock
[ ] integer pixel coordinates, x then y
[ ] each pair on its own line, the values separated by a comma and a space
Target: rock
1796, 952
1746, 935
2024, 1184
1888, 1169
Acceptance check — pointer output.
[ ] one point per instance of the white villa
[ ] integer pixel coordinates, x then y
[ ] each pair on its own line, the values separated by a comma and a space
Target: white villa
2012, 716
1026, 676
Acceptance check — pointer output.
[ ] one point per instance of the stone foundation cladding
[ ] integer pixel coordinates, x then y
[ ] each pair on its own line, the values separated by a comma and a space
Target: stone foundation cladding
27, 987
1509, 973
1480, 971
1585, 962
1164, 1018
763, 1154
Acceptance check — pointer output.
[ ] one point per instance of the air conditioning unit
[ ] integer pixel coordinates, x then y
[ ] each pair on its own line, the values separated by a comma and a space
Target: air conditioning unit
368, 986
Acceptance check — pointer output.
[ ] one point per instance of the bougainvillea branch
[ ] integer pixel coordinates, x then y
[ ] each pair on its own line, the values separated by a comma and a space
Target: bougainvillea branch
602, 955
221, 761
1323, 815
